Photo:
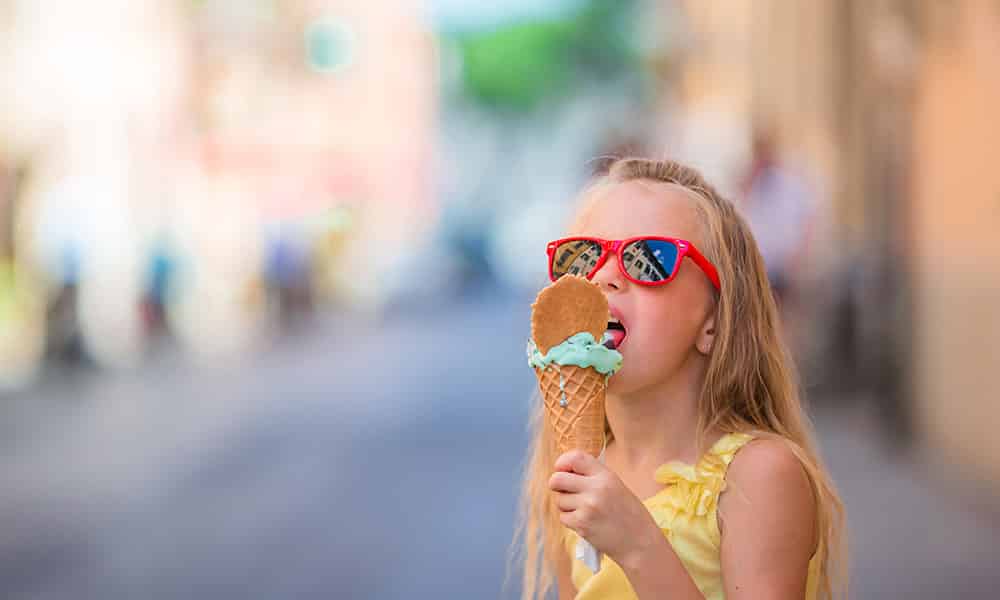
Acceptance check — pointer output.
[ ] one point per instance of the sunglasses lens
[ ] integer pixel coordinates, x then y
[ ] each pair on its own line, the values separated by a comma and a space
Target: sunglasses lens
649, 260
575, 257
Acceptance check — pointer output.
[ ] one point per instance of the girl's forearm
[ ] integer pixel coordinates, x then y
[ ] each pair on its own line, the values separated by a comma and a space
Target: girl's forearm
655, 572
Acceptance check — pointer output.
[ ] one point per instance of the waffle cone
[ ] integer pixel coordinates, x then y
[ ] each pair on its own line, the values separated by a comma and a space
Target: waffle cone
579, 424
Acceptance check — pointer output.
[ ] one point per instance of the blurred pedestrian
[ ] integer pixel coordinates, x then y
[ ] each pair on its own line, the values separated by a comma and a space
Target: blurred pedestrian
288, 274
780, 208
161, 268
705, 401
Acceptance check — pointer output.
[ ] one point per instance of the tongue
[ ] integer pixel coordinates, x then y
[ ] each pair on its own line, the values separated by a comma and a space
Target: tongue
616, 335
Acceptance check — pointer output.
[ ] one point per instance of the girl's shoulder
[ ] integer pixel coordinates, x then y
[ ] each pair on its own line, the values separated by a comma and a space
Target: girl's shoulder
767, 480
767, 519
764, 457
767, 462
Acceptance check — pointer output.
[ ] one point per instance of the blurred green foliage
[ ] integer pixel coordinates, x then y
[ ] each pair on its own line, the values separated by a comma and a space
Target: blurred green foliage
517, 66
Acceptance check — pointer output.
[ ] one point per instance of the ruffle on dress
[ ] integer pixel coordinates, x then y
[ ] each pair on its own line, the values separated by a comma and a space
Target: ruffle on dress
693, 490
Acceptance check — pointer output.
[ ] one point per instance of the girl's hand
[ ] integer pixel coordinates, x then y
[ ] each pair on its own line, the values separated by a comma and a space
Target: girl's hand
594, 502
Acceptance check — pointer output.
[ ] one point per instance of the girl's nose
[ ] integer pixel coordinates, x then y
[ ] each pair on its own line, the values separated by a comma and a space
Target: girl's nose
609, 276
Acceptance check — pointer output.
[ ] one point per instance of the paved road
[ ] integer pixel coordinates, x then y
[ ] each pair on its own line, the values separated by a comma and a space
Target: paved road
358, 461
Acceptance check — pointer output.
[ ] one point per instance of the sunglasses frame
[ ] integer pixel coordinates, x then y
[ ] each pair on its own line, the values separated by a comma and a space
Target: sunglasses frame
684, 248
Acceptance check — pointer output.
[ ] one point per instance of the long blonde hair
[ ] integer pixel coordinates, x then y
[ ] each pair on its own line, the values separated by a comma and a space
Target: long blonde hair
751, 385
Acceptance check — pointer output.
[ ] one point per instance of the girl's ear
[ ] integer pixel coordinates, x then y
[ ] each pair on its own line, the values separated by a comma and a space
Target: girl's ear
707, 336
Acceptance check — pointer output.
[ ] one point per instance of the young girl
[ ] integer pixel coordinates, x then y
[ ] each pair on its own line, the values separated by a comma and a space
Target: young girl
709, 485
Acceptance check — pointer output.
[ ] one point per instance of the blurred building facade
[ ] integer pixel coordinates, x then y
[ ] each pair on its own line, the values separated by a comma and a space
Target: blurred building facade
326, 105
955, 216
174, 151
890, 103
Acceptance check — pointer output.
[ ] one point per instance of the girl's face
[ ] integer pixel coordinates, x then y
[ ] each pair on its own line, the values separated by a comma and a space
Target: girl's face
666, 327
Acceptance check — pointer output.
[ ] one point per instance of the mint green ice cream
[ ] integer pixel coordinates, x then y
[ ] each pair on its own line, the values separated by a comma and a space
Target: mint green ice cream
580, 350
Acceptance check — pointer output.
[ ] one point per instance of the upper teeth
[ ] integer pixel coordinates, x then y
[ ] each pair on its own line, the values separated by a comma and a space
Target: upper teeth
614, 320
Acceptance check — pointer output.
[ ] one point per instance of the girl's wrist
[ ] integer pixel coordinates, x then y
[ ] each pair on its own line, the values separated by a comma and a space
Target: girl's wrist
648, 549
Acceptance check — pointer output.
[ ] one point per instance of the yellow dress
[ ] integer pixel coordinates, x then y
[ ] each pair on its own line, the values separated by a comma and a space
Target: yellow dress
685, 510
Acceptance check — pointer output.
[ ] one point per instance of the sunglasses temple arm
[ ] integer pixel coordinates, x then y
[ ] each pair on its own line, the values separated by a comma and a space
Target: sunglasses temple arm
705, 265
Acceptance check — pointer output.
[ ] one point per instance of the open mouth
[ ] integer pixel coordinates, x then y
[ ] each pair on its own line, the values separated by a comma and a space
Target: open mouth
615, 334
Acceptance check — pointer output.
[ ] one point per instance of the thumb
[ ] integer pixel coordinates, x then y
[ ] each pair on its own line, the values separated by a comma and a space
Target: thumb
577, 461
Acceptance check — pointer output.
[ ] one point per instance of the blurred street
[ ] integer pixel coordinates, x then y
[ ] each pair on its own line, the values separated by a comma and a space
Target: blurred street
361, 460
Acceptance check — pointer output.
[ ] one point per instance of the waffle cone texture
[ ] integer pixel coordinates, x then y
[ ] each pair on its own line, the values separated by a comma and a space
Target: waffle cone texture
580, 423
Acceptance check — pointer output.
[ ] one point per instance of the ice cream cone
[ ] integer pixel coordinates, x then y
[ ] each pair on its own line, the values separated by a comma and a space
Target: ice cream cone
572, 367
574, 406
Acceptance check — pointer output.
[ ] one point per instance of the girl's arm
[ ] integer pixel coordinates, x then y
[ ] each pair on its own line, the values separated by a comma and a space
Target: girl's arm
567, 591
767, 516
655, 571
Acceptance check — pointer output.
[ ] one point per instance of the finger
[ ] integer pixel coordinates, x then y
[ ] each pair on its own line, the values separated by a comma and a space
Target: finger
577, 461
567, 502
573, 520
561, 481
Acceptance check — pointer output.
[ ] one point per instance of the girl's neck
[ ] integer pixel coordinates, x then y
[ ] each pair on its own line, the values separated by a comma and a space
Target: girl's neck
657, 424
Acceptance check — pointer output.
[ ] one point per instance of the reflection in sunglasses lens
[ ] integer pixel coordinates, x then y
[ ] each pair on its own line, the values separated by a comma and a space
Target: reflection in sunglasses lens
649, 260
576, 257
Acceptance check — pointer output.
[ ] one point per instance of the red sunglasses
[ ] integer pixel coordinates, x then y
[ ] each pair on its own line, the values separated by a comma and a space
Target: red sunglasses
647, 260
